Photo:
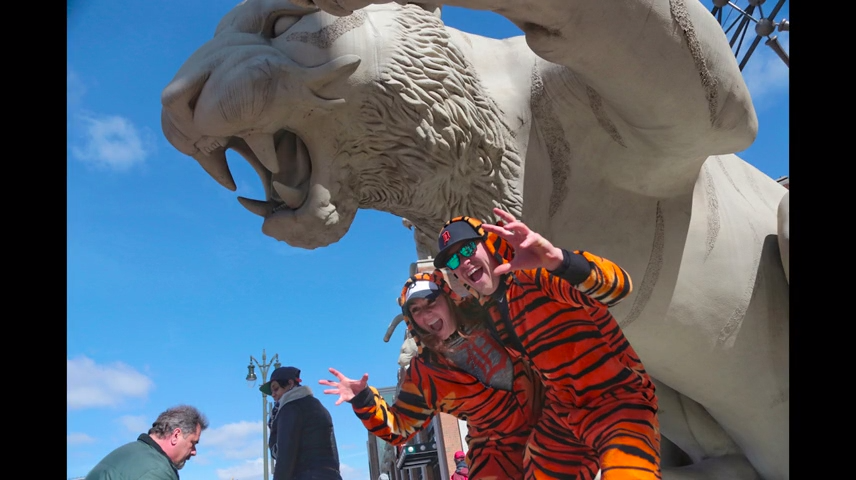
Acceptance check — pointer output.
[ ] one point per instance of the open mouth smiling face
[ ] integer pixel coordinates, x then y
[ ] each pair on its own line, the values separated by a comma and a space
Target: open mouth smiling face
476, 271
434, 316
472, 274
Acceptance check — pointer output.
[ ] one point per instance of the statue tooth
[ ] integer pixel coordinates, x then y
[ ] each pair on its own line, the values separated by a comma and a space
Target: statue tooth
216, 166
258, 207
263, 147
292, 197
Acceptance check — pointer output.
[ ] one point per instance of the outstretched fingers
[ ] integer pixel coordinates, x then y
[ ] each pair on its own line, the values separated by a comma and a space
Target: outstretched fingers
518, 231
339, 389
501, 231
333, 391
505, 216
514, 233
337, 374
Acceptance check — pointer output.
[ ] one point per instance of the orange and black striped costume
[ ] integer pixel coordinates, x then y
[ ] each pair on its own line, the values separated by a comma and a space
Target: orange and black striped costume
600, 406
498, 421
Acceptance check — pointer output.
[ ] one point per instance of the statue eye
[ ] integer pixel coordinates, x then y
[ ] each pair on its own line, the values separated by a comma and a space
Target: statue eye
283, 23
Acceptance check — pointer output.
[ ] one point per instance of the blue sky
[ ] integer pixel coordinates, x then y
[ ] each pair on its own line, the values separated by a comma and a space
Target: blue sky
171, 285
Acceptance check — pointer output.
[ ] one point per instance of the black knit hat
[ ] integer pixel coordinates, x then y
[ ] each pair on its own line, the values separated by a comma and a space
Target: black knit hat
281, 375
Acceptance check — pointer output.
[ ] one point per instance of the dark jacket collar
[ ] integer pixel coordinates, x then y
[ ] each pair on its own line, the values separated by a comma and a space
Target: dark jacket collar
148, 440
499, 294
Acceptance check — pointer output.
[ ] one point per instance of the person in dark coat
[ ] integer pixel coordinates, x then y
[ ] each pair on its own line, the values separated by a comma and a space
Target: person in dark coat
302, 441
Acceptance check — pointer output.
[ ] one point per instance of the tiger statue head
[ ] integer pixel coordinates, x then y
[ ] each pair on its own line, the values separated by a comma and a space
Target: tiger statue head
324, 109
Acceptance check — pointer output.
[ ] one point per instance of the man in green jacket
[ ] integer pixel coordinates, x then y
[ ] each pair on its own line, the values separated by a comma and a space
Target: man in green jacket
159, 454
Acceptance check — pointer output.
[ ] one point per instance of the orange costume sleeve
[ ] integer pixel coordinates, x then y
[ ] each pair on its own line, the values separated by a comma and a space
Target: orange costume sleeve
607, 283
394, 423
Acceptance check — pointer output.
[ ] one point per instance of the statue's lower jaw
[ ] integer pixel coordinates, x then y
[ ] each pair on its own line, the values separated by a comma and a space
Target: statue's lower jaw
317, 223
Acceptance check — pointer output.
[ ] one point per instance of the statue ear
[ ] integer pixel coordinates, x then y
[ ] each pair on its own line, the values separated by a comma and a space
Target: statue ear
429, 6
433, 7
328, 81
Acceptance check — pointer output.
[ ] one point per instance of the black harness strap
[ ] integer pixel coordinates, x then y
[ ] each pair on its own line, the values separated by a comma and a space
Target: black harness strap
505, 316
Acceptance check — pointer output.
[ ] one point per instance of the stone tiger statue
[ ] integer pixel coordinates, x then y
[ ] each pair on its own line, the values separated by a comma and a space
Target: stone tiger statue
608, 127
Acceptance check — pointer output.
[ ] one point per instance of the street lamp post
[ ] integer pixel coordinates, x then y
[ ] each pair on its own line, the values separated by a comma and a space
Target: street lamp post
251, 377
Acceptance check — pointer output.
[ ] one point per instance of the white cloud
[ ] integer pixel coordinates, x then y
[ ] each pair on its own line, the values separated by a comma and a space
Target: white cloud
249, 470
766, 74
235, 440
75, 438
110, 141
91, 385
351, 473
135, 423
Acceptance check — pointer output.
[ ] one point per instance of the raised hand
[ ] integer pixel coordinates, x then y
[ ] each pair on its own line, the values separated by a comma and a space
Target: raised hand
531, 250
346, 388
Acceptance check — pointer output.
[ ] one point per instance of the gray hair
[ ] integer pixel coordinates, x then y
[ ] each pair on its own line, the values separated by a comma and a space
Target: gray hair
183, 417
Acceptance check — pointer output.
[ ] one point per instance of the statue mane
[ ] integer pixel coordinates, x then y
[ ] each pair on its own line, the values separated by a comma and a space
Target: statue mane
463, 154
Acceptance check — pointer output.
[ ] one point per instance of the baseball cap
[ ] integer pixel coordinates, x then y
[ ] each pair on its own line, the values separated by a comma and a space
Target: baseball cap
282, 375
452, 234
459, 454
419, 289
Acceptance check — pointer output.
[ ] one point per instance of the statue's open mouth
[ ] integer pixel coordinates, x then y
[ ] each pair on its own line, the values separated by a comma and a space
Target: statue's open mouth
223, 100
284, 167
296, 209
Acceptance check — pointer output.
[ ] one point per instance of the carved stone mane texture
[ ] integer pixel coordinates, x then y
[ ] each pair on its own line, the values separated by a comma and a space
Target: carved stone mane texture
727, 334
462, 149
712, 210
325, 37
728, 177
679, 12
652, 271
596, 103
558, 149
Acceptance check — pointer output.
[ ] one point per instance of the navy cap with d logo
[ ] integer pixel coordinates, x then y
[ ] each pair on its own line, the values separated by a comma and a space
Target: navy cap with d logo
455, 232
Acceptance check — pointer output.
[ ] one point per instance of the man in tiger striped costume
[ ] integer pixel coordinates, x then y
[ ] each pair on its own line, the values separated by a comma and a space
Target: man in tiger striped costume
463, 367
471, 377
599, 399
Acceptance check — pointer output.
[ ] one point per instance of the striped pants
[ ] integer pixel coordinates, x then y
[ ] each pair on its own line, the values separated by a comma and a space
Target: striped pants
496, 457
621, 438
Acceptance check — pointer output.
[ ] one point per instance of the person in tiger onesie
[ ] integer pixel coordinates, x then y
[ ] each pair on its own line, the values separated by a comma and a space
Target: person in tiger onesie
601, 407
461, 370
